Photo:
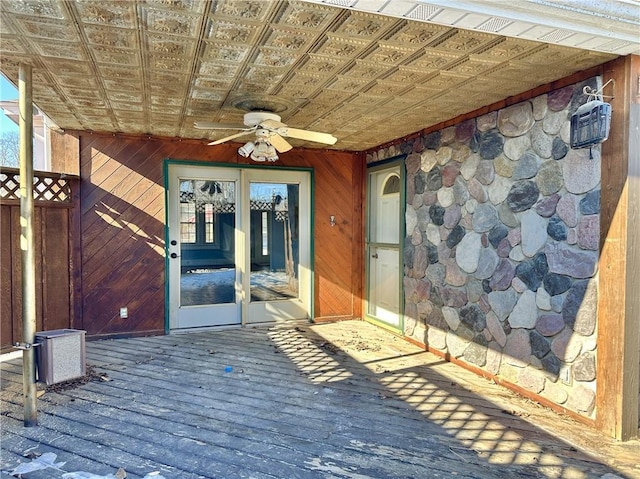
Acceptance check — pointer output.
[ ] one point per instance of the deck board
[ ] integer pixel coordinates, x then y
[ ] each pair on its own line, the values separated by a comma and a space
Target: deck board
341, 400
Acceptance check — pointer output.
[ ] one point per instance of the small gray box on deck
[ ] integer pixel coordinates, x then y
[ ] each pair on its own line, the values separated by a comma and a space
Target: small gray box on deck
60, 355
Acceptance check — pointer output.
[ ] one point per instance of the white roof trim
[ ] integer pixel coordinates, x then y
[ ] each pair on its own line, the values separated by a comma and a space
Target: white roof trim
610, 26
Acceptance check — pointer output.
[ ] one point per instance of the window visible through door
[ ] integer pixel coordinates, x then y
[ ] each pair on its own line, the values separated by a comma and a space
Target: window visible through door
239, 245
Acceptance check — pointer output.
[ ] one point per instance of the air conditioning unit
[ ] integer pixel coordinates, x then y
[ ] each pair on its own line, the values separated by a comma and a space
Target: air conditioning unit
60, 355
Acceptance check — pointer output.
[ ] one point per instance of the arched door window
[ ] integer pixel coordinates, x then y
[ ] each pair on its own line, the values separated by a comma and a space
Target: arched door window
392, 185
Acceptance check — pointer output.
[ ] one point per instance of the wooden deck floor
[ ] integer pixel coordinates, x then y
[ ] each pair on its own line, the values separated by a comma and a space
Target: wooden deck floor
342, 400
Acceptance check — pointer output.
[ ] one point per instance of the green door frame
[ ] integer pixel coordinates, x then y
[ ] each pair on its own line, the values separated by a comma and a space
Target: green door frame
398, 161
165, 174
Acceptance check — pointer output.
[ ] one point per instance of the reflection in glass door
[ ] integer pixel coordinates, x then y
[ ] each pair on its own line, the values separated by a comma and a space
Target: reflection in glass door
274, 241
207, 245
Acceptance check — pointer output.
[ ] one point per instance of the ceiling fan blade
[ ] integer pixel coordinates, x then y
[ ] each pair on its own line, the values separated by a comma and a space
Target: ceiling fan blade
272, 124
231, 137
308, 135
279, 143
208, 125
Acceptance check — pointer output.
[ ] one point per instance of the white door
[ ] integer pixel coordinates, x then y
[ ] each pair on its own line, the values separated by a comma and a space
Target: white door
205, 264
383, 247
277, 221
238, 246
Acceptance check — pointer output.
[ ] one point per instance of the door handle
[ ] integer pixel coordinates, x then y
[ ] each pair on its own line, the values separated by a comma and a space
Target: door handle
374, 255
174, 255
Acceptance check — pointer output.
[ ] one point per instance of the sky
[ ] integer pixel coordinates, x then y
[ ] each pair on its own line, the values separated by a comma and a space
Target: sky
7, 92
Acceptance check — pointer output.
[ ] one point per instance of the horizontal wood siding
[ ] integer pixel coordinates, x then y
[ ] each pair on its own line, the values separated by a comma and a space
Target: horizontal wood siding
122, 220
54, 284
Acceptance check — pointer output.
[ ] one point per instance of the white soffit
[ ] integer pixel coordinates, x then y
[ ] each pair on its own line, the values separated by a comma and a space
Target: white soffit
610, 26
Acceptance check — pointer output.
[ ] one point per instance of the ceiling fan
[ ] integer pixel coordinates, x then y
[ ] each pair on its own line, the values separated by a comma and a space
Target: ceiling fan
270, 135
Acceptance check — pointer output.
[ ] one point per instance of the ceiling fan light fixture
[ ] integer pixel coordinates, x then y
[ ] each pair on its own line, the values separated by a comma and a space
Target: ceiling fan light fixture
262, 159
264, 151
246, 149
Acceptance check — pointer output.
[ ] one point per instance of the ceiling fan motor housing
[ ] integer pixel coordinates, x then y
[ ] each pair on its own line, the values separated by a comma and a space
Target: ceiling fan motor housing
254, 118
262, 134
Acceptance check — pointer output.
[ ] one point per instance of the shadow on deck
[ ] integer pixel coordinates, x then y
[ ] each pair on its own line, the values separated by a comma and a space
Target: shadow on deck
341, 400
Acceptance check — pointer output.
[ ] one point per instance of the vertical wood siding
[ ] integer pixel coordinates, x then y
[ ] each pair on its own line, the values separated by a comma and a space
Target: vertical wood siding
618, 368
54, 284
123, 228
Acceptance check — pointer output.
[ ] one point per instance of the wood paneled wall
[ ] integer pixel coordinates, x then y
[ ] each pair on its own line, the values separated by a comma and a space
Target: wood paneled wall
54, 282
123, 220
618, 369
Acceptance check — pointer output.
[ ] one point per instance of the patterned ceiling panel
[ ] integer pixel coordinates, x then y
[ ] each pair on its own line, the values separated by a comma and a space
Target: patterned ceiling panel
48, 28
363, 69
405, 76
305, 16
291, 40
503, 49
461, 41
112, 14
223, 52
329, 100
415, 34
349, 84
308, 83
363, 25
57, 49
37, 8
115, 56
164, 22
324, 65
156, 66
348, 112
121, 38
234, 32
388, 89
275, 57
431, 61
249, 10
291, 90
388, 55
364, 101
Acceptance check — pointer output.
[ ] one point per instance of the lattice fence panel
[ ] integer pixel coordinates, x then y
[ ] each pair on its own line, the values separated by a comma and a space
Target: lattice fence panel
45, 188
223, 207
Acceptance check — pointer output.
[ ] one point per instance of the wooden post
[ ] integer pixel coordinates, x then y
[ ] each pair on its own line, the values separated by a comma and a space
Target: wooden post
619, 282
27, 246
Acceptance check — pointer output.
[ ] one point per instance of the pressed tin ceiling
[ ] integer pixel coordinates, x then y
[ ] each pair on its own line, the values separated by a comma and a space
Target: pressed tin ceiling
154, 67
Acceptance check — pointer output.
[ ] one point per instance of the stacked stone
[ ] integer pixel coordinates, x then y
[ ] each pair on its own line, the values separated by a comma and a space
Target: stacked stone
502, 224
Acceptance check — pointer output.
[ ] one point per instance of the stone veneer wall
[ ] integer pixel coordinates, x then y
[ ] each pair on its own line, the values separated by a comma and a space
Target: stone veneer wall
501, 247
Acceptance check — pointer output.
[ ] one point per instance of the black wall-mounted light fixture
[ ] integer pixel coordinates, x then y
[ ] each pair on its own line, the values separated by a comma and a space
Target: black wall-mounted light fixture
590, 123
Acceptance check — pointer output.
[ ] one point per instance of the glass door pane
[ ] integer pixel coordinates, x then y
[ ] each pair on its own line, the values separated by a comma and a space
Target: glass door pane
238, 246
274, 236
207, 218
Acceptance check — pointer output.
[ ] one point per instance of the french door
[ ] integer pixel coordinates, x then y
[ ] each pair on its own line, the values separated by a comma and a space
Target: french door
383, 247
238, 246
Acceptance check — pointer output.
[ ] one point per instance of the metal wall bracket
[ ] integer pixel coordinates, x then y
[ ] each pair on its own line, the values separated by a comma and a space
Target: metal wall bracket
598, 94
25, 346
